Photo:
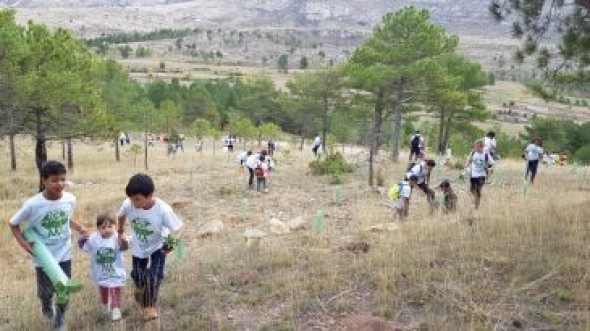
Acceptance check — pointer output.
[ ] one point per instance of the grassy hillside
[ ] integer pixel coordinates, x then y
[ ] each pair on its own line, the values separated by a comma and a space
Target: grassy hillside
518, 263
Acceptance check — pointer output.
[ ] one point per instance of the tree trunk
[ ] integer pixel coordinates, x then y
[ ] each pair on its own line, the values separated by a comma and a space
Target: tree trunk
370, 166
302, 142
145, 152
12, 151
40, 145
325, 124
375, 141
70, 154
117, 153
397, 118
447, 131
63, 150
441, 133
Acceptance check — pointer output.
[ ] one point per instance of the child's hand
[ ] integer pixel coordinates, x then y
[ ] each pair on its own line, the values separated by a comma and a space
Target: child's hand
84, 233
28, 246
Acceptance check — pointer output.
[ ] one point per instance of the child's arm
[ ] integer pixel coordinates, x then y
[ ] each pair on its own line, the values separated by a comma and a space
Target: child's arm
20, 238
121, 219
79, 228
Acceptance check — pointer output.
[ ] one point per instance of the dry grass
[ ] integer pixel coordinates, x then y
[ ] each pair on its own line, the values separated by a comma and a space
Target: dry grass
519, 260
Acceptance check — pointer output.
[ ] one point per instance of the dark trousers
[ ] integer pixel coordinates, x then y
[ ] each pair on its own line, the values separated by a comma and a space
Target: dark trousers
260, 183
531, 168
148, 275
45, 291
251, 179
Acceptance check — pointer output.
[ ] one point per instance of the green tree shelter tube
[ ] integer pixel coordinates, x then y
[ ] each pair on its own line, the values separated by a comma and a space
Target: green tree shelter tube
61, 282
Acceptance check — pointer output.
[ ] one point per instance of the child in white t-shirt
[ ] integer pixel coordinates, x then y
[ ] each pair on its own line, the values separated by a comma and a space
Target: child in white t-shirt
533, 153
152, 220
50, 215
405, 192
107, 268
479, 165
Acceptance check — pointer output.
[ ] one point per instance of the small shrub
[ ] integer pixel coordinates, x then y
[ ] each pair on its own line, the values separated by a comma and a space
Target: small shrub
334, 164
225, 191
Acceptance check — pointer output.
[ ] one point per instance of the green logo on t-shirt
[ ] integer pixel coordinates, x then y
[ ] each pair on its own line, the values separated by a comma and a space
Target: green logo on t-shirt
142, 229
105, 257
53, 222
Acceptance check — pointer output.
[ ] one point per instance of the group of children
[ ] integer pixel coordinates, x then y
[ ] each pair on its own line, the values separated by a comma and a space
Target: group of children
479, 166
156, 229
259, 166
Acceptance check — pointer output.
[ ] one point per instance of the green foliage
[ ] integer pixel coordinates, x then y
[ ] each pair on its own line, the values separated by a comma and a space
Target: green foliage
303, 63
159, 34
201, 128
283, 63
142, 51
125, 51
582, 155
334, 164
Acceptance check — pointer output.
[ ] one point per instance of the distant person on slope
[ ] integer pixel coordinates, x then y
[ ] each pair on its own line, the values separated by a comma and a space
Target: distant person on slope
532, 154
317, 144
251, 163
490, 145
416, 146
400, 195
478, 166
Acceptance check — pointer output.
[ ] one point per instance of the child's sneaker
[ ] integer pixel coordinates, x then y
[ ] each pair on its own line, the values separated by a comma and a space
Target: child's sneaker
106, 309
149, 313
116, 314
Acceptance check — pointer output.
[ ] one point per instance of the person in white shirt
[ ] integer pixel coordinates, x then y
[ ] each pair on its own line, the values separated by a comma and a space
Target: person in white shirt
153, 222
479, 165
422, 171
50, 214
490, 145
448, 156
417, 144
532, 154
251, 163
107, 268
405, 192
261, 172
317, 144
242, 158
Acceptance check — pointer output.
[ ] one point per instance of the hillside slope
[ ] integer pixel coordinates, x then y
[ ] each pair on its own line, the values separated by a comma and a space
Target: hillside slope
91, 17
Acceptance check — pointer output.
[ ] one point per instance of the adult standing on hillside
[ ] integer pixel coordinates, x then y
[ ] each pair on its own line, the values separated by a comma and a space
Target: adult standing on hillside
416, 145
490, 146
317, 143
532, 154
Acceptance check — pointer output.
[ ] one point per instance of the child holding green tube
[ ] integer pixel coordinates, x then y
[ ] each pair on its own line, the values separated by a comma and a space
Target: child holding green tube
49, 214
156, 229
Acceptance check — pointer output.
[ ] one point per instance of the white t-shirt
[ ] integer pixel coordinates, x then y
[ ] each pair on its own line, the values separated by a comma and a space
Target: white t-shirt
421, 171
253, 160
479, 165
242, 156
108, 269
51, 220
317, 141
150, 226
405, 192
533, 152
489, 144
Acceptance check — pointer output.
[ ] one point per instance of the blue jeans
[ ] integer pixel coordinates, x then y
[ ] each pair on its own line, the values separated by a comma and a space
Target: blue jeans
147, 275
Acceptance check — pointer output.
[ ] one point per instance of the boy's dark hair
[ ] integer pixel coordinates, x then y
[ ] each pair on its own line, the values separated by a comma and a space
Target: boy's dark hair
413, 178
52, 168
249, 153
491, 134
140, 184
105, 218
431, 163
262, 158
264, 152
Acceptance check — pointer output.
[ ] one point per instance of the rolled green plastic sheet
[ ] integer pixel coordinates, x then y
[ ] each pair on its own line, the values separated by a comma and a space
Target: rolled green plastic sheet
61, 282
